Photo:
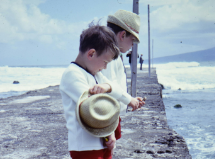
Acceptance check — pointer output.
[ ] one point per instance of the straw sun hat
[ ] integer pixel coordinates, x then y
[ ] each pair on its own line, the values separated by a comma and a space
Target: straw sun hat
126, 20
98, 114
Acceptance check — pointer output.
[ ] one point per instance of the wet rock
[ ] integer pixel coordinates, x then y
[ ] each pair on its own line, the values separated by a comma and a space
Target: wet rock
15, 82
168, 151
139, 151
171, 144
179, 137
149, 152
30, 92
178, 106
163, 141
160, 152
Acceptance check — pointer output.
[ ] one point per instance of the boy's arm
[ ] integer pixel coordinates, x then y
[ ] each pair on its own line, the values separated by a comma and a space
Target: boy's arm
115, 74
117, 92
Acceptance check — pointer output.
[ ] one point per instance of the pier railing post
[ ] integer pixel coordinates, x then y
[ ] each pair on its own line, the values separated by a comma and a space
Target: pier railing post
149, 59
134, 56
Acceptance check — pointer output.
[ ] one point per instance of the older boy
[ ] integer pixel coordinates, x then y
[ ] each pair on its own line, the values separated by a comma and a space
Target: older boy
98, 47
126, 26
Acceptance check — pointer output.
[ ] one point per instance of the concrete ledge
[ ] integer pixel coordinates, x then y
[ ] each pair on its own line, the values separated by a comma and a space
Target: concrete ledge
145, 132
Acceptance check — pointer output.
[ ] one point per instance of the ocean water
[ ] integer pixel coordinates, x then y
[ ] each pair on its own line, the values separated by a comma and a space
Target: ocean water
193, 86
195, 121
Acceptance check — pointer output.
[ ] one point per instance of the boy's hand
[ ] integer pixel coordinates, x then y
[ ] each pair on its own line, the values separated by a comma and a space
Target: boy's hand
141, 101
111, 142
136, 103
100, 88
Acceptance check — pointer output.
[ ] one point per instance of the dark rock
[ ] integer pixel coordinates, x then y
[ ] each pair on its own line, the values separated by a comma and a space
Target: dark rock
29, 92
179, 137
170, 143
139, 151
160, 152
168, 151
163, 141
44, 154
178, 106
15, 82
179, 89
149, 152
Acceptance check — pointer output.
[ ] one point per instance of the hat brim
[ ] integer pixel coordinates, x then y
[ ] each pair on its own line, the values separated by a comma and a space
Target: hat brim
103, 132
118, 22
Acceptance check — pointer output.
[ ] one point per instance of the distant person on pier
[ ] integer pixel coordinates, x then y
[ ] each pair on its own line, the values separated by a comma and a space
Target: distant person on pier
129, 59
141, 61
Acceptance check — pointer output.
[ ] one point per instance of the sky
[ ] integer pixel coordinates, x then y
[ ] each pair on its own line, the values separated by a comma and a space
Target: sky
46, 32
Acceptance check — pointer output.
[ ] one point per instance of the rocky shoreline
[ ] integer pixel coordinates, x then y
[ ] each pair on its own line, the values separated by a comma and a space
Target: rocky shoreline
32, 126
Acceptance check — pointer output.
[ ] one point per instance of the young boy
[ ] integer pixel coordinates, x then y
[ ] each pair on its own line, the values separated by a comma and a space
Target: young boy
126, 26
98, 46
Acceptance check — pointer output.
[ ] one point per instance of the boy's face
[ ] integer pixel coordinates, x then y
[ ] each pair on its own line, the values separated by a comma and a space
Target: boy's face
127, 43
99, 63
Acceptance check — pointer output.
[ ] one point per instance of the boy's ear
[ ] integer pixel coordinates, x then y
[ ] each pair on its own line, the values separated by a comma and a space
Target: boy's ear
91, 53
122, 35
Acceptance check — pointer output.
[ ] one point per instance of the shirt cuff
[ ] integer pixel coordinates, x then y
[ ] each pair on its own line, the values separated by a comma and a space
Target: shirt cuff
125, 98
119, 94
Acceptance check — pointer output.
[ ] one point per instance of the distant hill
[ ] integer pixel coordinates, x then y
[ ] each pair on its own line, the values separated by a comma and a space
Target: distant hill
198, 56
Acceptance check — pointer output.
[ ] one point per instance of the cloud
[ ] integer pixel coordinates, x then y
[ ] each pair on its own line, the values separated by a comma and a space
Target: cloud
170, 15
189, 21
22, 20
159, 3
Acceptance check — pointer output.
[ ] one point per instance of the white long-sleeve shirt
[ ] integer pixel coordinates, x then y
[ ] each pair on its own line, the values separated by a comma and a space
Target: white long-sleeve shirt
115, 72
75, 81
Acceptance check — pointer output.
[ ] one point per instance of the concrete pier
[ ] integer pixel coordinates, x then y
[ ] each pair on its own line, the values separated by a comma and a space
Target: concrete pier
145, 132
32, 126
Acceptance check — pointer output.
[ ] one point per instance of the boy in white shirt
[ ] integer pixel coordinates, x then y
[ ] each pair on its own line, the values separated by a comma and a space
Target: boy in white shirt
98, 46
126, 26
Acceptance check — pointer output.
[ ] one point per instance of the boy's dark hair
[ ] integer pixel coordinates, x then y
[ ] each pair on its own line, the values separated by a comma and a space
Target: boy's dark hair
100, 38
117, 28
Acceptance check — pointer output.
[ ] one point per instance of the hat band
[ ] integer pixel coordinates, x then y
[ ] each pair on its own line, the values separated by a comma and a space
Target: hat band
132, 29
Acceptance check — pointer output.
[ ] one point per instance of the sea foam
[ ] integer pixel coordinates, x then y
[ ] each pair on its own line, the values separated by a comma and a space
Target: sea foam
186, 76
30, 78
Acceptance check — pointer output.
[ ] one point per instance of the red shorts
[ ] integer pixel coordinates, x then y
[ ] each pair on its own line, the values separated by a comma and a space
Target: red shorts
93, 154
118, 130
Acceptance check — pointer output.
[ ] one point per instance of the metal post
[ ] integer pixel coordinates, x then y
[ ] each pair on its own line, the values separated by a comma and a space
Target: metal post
134, 56
152, 52
149, 43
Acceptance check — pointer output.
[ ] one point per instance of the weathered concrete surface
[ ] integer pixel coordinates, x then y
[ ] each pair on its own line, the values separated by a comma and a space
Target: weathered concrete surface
145, 133
32, 126
33, 129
